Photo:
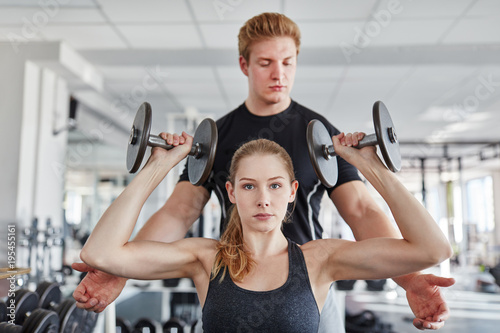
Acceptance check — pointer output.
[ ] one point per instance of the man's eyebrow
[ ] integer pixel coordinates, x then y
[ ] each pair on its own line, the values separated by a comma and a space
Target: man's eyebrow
269, 59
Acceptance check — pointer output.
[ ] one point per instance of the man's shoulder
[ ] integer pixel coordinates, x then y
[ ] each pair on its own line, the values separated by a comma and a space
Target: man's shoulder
309, 115
227, 117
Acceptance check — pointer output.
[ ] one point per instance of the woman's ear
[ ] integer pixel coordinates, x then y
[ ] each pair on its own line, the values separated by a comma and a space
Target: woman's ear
230, 192
295, 186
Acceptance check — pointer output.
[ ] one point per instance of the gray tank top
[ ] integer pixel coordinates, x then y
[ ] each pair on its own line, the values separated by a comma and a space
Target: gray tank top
289, 308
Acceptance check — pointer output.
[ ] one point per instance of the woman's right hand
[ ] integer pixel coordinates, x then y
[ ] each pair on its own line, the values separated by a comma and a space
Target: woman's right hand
344, 145
181, 143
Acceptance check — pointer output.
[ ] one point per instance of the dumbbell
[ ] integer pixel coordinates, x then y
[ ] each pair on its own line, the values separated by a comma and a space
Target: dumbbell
72, 319
174, 325
38, 321
147, 325
322, 154
200, 158
123, 325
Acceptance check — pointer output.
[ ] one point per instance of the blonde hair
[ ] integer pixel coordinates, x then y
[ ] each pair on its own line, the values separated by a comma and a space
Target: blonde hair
231, 254
266, 26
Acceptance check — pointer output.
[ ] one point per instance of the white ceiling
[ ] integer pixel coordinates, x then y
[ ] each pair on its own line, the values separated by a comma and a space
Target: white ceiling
430, 61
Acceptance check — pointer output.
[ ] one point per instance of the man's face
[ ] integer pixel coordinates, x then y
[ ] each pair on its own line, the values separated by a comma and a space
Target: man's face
271, 70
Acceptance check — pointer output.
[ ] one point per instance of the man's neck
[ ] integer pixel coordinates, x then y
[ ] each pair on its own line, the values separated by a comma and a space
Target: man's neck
263, 109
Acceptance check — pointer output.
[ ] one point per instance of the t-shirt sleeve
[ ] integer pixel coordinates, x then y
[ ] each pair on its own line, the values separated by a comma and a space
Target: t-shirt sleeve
184, 177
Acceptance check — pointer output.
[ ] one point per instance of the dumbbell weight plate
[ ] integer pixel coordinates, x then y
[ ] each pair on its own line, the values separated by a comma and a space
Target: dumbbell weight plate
70, 316
325, 166
26, 301
89, 320
148, 325
139, 134
176, 323
123, 325
41, 321
49, 294
3, 312
386, 136
199, 167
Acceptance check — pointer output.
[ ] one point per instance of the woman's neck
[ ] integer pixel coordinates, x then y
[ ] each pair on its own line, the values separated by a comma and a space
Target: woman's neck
265, 244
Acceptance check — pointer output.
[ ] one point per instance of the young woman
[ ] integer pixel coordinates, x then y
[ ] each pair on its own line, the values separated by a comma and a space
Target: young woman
254, 279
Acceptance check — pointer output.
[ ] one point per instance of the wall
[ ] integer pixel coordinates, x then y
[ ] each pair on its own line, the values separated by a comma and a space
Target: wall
34, 101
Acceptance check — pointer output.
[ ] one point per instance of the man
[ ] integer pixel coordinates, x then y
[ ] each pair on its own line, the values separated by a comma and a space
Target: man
269, 45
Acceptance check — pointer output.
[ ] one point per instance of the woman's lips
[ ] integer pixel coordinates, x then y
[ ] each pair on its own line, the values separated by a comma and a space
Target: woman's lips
263, 216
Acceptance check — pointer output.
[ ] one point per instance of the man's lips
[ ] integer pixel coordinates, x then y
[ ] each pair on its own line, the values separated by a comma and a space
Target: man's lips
278, 88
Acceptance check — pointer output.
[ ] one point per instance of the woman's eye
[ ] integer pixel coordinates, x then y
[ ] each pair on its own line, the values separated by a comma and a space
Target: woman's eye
248, 186
275, 186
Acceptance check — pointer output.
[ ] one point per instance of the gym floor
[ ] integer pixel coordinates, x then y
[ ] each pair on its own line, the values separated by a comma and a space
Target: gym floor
470, 311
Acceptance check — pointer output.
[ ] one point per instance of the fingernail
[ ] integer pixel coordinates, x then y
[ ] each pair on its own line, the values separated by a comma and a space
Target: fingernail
93, 302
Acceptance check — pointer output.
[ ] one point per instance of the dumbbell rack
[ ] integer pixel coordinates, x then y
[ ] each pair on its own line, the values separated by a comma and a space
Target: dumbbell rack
38, 245
44, 310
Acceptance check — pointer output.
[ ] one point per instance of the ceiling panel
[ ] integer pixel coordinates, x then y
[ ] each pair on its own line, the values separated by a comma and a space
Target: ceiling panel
146, 11
38, 3
328, 34
223, 36
85, 36
475, 31
239, 10
165, 36
328, 10
407, 32
426, 8
484, 8
121, 73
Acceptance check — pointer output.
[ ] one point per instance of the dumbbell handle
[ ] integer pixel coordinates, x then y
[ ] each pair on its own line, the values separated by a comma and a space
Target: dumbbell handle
157, 141
368, 140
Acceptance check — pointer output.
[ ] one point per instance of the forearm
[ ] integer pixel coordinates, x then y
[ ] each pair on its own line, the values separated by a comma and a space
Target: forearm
117, 223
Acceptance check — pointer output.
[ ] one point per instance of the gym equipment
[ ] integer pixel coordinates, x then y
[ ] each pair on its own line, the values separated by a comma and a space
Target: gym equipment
26, 302
202, 154
39, 321
147, 325
174, 323
71, 317
123, 325
3, 312
321, 149
49, 295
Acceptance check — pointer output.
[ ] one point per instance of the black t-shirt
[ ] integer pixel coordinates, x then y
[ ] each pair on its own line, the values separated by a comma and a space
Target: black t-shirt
288, 129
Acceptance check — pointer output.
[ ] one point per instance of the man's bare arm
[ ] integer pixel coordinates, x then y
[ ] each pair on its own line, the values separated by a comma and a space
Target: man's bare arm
172, 221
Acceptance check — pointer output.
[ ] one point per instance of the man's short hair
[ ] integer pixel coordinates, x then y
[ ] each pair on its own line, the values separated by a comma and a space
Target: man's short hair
266, 26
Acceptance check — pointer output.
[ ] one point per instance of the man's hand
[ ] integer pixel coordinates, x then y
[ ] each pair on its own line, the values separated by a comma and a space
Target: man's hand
97, 289
426, 301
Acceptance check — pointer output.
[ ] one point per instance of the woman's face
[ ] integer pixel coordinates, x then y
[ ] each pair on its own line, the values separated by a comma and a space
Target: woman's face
262, 190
